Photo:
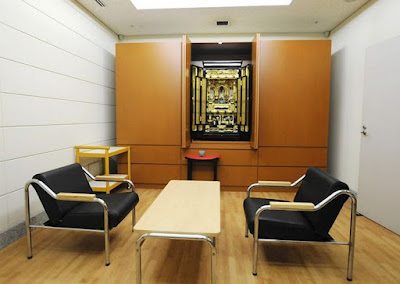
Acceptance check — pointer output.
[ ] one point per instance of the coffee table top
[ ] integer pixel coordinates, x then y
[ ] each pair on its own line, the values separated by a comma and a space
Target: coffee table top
184, 207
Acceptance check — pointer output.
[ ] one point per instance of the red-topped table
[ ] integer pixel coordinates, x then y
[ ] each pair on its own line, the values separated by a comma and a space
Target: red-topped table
197, 158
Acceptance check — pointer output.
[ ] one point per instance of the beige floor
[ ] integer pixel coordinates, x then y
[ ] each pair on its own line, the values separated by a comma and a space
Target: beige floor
76, 257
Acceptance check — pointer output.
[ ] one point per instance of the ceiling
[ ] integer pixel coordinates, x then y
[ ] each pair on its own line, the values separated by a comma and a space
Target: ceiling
303, 16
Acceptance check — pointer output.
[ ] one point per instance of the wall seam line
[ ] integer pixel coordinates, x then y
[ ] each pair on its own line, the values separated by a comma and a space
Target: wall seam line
57, 124
68, 27
47, 152
60, 48
56, 99
58, 73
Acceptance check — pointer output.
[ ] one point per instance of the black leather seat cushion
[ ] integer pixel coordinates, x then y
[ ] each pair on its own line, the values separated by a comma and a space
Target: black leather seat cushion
283, 225
91, 215
69, 178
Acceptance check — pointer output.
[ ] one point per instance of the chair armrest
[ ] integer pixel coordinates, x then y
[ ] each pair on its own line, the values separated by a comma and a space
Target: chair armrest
308, 206
292, 206
116, 177
275, 183
67, 196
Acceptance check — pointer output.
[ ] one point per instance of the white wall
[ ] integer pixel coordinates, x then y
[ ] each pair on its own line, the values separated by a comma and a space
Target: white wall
378, 21
56, 91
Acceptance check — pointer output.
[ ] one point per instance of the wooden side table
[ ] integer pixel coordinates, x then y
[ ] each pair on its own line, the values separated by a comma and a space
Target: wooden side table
104, 152
197, 158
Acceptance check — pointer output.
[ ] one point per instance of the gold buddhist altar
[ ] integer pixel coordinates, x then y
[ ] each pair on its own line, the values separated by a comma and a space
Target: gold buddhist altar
221, 103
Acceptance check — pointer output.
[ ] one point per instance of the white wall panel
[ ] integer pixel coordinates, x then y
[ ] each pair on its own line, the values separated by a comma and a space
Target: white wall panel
57, 85
3, 187
1, 103
16, 172
21, 47
26, 141
3, 213
1, 125
68, 14
16, 207
43, 111
2, 150
23, 79
46, 29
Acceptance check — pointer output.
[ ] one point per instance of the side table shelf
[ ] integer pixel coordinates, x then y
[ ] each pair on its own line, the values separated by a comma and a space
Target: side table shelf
104, 152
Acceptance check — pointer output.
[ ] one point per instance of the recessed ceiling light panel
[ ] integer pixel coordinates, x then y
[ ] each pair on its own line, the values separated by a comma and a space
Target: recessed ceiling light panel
182, 4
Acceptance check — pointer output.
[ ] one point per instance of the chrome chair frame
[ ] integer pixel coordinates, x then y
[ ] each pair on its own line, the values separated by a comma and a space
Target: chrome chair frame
101, 202
323, 203
195, 237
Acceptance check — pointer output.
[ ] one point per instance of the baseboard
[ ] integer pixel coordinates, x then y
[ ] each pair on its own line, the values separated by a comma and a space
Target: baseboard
15, 233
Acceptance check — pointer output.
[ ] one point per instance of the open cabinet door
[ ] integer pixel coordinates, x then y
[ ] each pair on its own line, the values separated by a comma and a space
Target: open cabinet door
255, 61
186, 61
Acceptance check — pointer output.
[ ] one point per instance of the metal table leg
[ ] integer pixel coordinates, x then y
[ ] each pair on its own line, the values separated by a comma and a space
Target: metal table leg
206, 239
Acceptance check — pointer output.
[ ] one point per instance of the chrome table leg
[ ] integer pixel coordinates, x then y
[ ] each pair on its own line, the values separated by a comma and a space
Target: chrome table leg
206, 239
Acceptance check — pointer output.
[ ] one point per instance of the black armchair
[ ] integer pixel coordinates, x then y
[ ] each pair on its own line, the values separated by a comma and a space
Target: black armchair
306, 220
71, 204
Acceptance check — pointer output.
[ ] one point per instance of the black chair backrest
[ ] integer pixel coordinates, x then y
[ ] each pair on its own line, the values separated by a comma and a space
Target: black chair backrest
315, 187
69, 178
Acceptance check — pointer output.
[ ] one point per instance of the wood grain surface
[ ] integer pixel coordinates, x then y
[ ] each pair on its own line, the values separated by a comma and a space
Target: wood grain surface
294, 92
148, 93
184, 207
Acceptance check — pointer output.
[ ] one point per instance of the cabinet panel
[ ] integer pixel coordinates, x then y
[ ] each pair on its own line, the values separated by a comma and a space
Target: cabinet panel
227, 175
235, 188
200, 171
288, 156
148, 88
281, 173
237, 176
153, 174
150, 154
294, 92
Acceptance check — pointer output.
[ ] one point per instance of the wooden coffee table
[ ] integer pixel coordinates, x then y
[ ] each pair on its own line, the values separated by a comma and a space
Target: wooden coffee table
184, 210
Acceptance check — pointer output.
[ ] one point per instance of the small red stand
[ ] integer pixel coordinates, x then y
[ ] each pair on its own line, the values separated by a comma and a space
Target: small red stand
197, 158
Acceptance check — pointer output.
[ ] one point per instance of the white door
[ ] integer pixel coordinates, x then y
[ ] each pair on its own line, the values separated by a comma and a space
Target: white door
379, 180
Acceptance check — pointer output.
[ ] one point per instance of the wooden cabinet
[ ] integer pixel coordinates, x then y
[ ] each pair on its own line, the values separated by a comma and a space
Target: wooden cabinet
294, 107
148, 111
148, 87
294, 93
290, 112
